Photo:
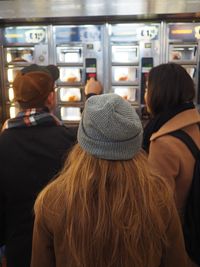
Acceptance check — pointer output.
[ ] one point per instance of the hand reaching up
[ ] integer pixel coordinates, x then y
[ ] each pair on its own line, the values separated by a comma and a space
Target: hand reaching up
93, 87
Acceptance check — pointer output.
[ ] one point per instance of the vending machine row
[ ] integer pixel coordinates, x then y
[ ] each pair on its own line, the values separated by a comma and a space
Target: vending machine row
79, 56
120, 56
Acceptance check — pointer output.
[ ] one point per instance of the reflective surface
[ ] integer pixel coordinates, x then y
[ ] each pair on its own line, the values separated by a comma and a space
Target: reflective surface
70, 114
81, 8
70, 74
70, 94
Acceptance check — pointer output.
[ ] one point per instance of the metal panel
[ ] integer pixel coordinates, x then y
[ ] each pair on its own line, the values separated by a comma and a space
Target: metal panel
84, 8
78, 52
182, 47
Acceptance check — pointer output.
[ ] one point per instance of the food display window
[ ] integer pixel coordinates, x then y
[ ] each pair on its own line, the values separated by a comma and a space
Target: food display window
19, 55
67, 94
70, 74
70, 114
128, 93
21, 46
10, 94
182, 53
125, 74
69, 54
125, 54
191, 70
13, 110
11, 74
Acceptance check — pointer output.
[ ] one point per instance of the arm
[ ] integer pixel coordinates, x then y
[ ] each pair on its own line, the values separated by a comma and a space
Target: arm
2, 216
93, 87
42, 247
164, 160
174, 253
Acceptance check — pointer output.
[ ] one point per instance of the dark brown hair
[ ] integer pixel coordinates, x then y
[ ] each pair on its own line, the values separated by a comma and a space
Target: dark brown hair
169, 85
111, 210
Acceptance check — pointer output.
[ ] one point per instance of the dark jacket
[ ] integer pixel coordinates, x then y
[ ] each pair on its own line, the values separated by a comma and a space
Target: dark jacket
29, 159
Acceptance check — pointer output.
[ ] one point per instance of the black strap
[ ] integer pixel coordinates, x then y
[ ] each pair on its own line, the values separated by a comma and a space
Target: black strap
188, 141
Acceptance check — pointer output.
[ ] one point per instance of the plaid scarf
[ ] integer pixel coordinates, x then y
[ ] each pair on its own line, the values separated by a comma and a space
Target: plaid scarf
32, 117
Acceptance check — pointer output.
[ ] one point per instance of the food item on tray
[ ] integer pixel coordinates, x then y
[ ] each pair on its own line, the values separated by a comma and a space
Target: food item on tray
72, 98
19, 59
176, 55
72, 79
123, 78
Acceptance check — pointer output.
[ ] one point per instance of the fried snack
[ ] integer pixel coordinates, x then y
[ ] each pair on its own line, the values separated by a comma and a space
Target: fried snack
123, 78
72, 79
72, 98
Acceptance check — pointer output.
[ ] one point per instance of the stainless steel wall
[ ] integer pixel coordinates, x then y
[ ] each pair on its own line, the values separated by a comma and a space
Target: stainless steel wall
36, 9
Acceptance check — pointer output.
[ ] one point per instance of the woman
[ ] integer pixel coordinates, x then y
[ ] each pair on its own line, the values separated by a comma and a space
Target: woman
169, 98
105, 209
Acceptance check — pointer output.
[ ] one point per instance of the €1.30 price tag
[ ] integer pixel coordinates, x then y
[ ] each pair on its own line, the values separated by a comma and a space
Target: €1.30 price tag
35, 35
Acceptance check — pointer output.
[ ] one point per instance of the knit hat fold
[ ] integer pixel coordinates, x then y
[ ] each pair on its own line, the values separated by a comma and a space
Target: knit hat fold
110, 128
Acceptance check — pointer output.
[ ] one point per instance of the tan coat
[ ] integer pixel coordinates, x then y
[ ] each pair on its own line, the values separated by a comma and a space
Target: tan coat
171, 158
50, 248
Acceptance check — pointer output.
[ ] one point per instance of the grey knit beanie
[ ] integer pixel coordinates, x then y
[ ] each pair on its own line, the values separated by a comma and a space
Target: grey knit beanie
110, 128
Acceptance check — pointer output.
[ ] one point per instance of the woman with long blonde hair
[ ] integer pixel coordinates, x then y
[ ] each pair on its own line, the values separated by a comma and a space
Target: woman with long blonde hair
106, 209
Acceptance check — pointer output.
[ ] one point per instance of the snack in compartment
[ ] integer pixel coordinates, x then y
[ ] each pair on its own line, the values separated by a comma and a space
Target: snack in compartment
72, 98
176, 55
123, 78
19, 59
70, 94
71, 79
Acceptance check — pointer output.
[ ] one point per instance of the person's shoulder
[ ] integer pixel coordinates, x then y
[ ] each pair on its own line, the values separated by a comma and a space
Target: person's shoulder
6, 134
50, 200
68, 131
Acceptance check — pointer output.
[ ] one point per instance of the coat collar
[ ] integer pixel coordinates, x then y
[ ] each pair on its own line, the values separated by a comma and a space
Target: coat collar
181, 120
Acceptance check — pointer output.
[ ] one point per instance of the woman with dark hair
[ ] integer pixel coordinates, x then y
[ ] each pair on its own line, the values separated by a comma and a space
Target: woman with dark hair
105, 209
169, 97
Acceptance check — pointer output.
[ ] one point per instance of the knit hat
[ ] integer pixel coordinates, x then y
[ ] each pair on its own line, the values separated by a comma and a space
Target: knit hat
32, 84
110, 128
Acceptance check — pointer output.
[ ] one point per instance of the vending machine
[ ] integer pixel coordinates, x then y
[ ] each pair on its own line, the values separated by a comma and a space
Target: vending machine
183, 48
78, 53
134, 50
22, 46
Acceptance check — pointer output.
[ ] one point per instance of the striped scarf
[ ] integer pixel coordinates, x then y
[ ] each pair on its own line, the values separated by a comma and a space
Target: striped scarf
32, 117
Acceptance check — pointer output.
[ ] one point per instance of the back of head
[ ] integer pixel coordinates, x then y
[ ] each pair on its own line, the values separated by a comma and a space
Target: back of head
33, 84
106, 187
169, 85
110, 128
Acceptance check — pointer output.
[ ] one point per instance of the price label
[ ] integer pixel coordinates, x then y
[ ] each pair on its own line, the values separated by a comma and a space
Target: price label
35, 36
90, 34
147, 32
197, 32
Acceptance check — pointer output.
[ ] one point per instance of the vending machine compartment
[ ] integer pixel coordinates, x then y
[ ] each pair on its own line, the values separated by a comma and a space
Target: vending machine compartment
13, 110
19, 55
10, 94
71, 75
70, 114
125, 54
11, 73
125, 74
69, 94
128, 93
191, 70
69, 54
183, 53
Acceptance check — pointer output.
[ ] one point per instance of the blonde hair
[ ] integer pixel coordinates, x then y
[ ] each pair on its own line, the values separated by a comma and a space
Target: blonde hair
111, 210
